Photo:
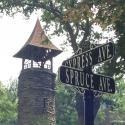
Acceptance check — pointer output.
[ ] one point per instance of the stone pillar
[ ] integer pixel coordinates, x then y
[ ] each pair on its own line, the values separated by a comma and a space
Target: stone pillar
36, 92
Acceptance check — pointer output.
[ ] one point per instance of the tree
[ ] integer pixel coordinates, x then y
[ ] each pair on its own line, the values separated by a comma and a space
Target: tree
115, 105
8, 104
75, 19
115, 19
65, 106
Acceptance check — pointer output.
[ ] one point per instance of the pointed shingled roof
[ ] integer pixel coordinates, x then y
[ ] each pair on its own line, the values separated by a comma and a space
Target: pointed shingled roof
38, 47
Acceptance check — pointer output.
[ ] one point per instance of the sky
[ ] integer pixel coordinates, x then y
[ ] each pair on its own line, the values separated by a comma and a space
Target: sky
14, 32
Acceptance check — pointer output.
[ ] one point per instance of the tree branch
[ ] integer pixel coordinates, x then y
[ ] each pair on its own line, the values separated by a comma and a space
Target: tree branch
86, 34
72, 36
77, 30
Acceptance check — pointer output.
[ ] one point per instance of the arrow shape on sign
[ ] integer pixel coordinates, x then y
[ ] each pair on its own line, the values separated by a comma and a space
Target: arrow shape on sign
91, 57
86, 80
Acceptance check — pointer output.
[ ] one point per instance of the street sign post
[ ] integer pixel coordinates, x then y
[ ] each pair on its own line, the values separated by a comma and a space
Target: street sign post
77, 72
91, 57
88, 107
86, 80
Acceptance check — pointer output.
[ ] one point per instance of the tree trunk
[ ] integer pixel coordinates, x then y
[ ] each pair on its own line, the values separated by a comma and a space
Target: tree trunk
80, 107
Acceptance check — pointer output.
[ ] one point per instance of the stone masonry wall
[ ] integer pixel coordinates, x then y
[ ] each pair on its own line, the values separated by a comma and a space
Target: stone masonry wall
36, 97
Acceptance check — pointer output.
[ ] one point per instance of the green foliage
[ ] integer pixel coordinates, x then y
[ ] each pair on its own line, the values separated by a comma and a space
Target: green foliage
8, 104
38, 120
116, 67
65, 106
115, 104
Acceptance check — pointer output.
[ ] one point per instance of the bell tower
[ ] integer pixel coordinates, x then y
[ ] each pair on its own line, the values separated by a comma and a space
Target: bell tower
36, 87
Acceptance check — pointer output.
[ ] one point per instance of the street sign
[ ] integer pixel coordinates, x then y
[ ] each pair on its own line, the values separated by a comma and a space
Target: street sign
91, 57
86, 79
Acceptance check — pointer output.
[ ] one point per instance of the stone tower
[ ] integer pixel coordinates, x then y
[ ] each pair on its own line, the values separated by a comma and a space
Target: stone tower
36, 88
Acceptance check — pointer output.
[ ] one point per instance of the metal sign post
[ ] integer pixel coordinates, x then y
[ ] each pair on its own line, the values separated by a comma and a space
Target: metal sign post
88, 99
88, 107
